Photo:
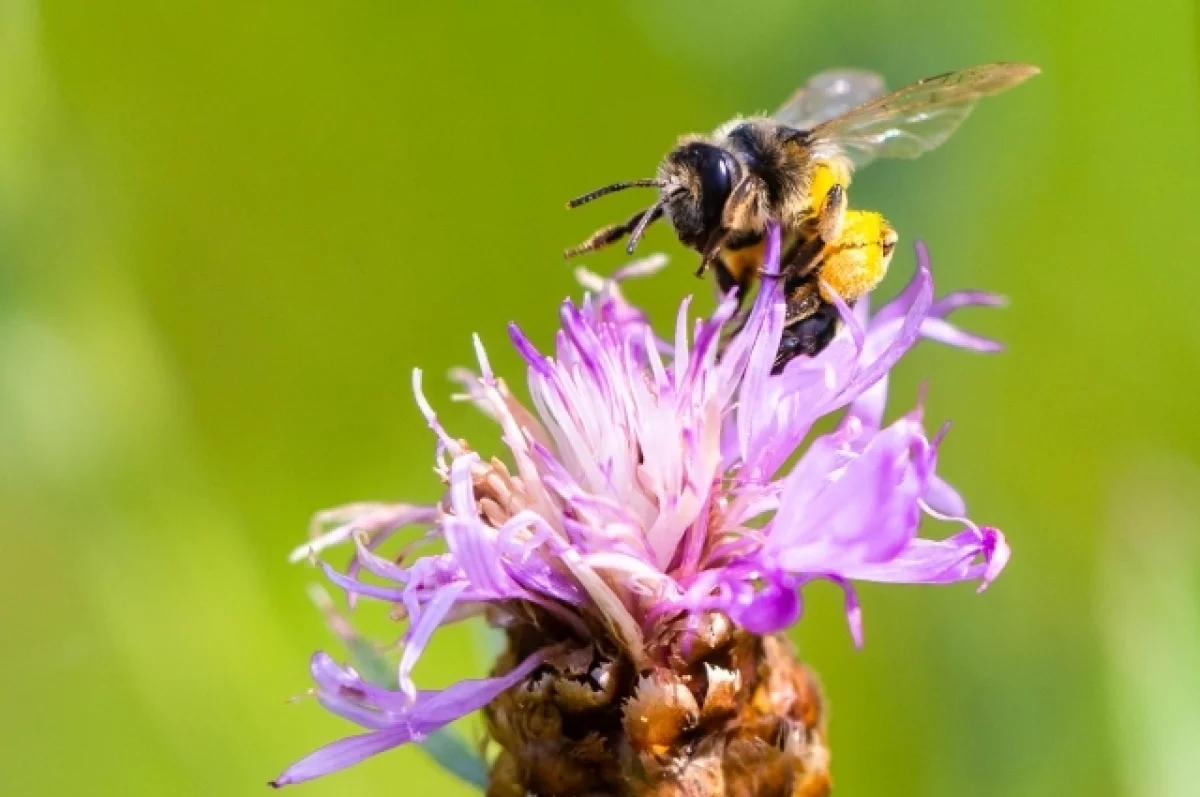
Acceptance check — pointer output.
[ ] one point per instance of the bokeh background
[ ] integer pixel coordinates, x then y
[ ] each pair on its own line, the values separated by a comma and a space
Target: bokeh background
229, 230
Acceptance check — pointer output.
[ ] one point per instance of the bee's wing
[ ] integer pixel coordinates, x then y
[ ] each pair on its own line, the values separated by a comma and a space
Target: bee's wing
829, 95
917, 118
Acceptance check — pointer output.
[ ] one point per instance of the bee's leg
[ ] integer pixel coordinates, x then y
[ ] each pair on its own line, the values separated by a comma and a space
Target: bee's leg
810, 325
610, 234
711, 249
744, 213
832, 217
726, 282
807, 337
857, 262
802, 258
746, 208
803, 300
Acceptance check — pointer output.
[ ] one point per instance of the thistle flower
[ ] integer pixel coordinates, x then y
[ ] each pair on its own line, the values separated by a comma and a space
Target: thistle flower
644, 543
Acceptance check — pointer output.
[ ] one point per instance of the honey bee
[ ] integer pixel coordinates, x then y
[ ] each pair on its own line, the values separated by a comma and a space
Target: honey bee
794, 167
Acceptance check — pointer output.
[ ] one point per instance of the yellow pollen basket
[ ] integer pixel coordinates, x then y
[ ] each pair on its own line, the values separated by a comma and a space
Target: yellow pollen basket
859, 260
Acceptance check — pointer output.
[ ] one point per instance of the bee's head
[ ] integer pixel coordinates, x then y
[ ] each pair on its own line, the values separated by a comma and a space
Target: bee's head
694, 182
697, 179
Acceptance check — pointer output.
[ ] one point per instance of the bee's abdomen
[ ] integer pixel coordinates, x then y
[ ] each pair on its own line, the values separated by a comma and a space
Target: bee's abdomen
741, 257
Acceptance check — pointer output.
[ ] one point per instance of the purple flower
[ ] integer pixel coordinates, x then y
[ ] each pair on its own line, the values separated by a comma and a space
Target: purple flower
646, 481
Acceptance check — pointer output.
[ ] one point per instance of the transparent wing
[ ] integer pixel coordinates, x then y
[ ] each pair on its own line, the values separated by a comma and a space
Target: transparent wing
917, 118
829, 95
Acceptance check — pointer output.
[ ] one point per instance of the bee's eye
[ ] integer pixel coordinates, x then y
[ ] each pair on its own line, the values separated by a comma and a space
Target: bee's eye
717, 170
714, 174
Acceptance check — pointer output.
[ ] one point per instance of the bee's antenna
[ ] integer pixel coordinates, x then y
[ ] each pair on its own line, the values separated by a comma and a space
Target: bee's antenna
610, 189
653, 214
607, 235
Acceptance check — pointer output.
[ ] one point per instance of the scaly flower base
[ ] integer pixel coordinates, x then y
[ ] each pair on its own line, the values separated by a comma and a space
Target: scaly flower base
722, 712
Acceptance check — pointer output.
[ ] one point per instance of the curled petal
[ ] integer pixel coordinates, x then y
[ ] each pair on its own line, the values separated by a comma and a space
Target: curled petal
355, 587
996, 554
853, 610
898, 307
535, 359
893, 347
421, 631
953, 301
944, 499
765, 607
341, 754
944, 332
431, 417
853, 323
977, 553
374, 520
428, 712
760, 599
472, 543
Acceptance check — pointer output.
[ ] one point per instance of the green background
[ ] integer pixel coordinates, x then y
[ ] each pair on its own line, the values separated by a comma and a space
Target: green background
228, 230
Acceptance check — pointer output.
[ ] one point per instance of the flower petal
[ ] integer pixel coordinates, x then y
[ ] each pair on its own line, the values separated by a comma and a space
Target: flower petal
940, 561
428, 712
421, 631
341, 754
865, 512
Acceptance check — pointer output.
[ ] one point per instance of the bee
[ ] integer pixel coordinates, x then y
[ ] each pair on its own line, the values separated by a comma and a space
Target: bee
719, 192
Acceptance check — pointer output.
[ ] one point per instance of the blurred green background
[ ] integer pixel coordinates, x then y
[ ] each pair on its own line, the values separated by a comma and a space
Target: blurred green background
229, 230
